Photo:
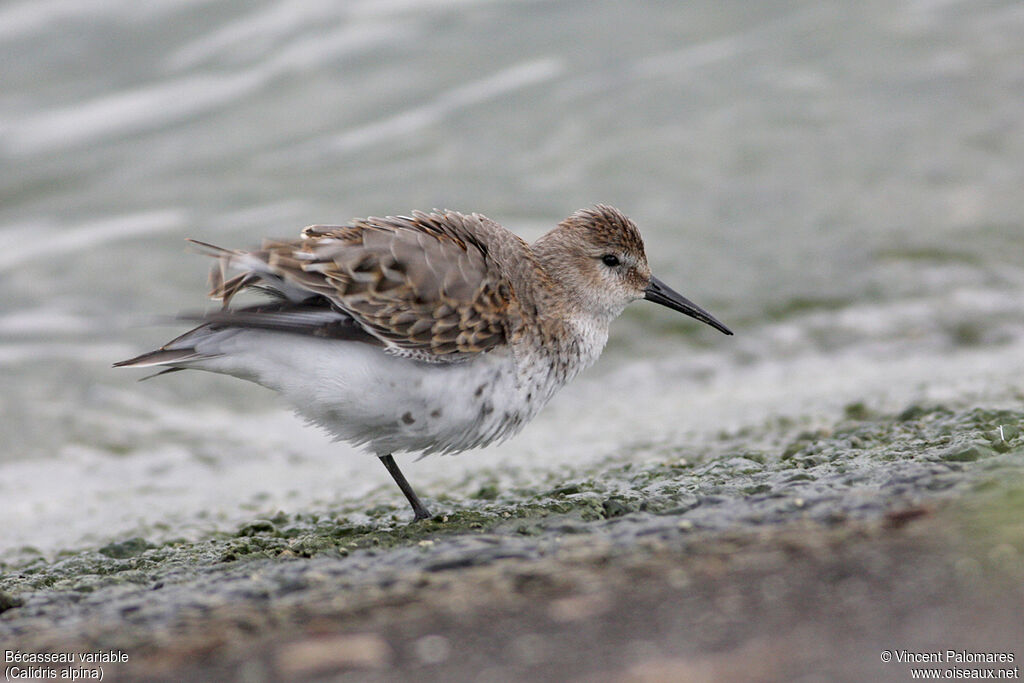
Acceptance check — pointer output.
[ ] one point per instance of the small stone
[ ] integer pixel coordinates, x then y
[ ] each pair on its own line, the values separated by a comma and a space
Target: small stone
86, 585
319, 656
969, 453
258, 526
857, 411
1001, 436
615, 508
124, 549
8, 601
486, 492
578, 607
911, 413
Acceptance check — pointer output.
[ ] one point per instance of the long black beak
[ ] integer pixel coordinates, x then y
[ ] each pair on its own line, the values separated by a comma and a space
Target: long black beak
660, 293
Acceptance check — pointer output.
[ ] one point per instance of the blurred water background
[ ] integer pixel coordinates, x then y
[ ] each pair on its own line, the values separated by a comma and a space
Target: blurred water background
840, 182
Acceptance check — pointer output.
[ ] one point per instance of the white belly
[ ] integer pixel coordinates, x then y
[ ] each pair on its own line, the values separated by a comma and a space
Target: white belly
389, 404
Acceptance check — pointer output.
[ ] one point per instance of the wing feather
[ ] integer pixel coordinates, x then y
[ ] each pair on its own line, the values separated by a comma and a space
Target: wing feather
424, 285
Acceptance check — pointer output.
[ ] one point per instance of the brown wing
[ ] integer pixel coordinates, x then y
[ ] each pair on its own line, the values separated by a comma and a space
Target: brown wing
424, 285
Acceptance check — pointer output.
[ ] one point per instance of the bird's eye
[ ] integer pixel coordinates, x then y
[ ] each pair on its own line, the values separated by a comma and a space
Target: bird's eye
610, 260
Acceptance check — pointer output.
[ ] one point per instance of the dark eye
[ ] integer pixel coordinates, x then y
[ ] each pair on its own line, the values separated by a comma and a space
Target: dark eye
610, 260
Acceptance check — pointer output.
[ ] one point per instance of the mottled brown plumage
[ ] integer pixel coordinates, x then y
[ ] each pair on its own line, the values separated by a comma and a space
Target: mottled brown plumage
425, 285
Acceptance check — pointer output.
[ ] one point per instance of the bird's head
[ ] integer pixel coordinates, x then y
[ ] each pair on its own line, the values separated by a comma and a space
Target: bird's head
597, 257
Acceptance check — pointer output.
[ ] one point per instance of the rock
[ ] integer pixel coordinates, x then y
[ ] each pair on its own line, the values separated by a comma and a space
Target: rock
8, 601
967, 453
320, 656
124, 549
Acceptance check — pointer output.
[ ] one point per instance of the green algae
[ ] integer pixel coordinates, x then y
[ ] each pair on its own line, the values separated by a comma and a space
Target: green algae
124, 549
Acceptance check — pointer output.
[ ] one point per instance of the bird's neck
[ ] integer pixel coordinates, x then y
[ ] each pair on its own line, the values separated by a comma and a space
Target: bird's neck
569, 339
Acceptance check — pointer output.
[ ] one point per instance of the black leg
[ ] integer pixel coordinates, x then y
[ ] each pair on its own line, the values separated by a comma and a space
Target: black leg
419, 512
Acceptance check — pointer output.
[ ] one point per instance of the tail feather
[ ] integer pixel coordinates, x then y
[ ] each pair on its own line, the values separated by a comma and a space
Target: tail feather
210, 249
295, 309
165, 371
163, 356
236, 270
205, 342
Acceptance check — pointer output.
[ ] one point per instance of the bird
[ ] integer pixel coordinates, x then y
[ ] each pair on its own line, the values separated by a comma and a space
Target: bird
426, 333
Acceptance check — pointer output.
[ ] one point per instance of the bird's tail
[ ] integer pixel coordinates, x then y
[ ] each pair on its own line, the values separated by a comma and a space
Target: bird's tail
187, 351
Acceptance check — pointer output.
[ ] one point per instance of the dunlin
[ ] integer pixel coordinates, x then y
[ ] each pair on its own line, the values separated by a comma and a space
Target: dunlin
431, 333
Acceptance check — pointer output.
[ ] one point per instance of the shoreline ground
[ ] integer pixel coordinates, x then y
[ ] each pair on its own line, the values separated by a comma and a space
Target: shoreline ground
779, 554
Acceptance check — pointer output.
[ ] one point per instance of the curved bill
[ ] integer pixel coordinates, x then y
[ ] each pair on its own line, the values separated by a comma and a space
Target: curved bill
660, 293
